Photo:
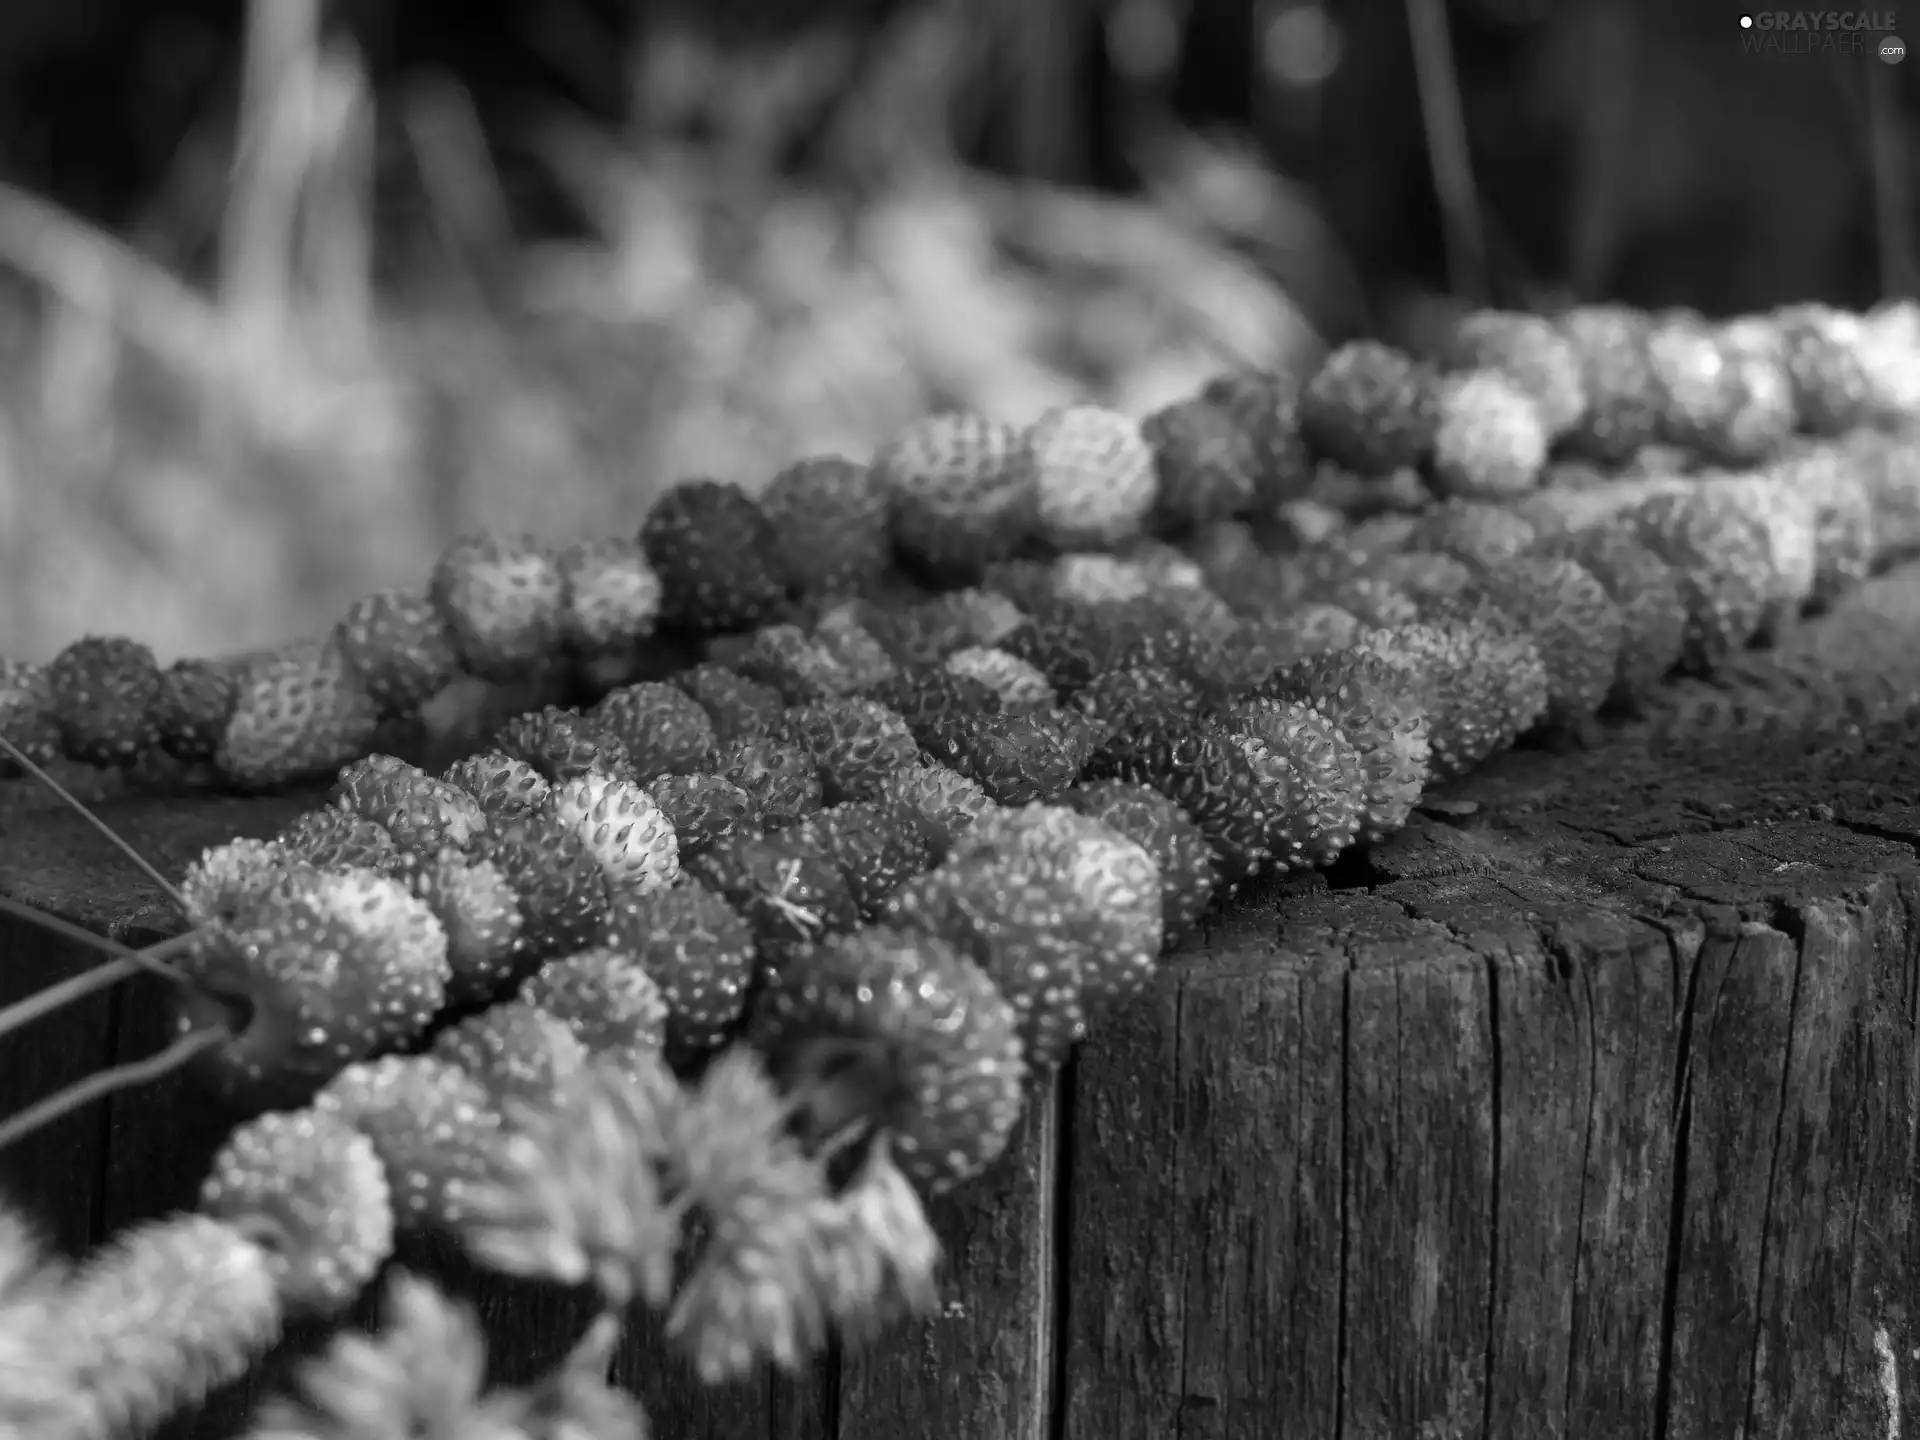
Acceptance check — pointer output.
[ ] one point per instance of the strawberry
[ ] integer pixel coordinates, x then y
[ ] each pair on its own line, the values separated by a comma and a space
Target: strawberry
717, 556
1089, 579
1071, 644
793, 663
1846, 540
401, 648
1369, 408
1265, 405
224, 880
1653, 612
1721, 559
1324, 778
1314, 628
433, 1126
702, 809
1119, 697
739, 708
853, 743
1092, 476
832, 521
26, 714
925, 696
1383, 712
941, 799
1481, 534
315, 971
478, 908
1528, 352
790, 893
876, 848
499, 784
309, 1189
1490, 439
563, 745
422, 814
558, 881
664, 729
1206, 461
1821, 348
898, 1036
1019, 686
697, 949
853, 648
605, 997
1158, 826
516, 1051
610, 595
619, 825
1014, 758
927, 631
1484, 689
504, 603
1624, 399
780, 779
194, 706
330, 837
299, 711
959, 493
103, 691
1196, 764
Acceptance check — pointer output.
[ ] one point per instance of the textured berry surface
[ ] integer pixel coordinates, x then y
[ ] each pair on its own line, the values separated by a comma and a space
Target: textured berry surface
738, 708
717, 557
1266, 406
610, 595
1573, 623
789, 892
1533, 355
309, 1189
1653, 611
617, 823
103, 690
421, 813
1324, 778
664, 730
702, 809
831, 517
499, 784
794, 665
1369, 408
780, 779
504, 602
192, 708
900, 1034
563, 745
298, 711
698, 950
944, 801
401, 647
1188, 876
1016, 684
959, 493
515, 1051
432, 1125
605, 997
558, 881
332, 837
1206, 461
1624, 398
1197, 765
1092, 473
1490, 439
854, 744
479, 909
1382, 712
876, 848
1014, 758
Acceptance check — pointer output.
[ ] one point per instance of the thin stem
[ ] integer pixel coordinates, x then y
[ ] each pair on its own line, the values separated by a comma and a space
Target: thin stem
107, 1082
1448, 153
124, 966
21, 759
152, 959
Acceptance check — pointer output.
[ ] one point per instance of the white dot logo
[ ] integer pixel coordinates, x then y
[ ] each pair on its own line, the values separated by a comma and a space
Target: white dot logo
1746, 22
1893, 49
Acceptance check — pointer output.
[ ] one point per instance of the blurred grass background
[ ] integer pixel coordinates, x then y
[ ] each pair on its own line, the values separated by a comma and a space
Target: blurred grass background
293, 292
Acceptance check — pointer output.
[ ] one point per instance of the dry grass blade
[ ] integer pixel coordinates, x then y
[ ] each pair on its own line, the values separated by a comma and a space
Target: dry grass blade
107, 1082
1448, 152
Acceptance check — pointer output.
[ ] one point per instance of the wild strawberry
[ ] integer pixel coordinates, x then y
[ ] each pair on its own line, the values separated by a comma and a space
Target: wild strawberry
944, 801
1788, 515
401, 647
1624, 398
315, 971
1480, 534
717, 556
1092, 476
1530, 354
1721, 559
780, 779
558, 881
924, 696
926, 632
330, 837
194, 706
1370, 408
1112, 884
897, 1034
1315, 628
790, 893
1885, 465
309, 1189
1014, 923
1018, 685
739, 708
103, 690
605, 997
1197, 765
1205, 460
1014, 758
504, 602
433, 1126
610, 596
831, 516
854, 744
876, 848
299, 711
1653, 612
793, 663
1572, 622
853, 648
1490, 439
516, 1051
665, 730
622, 828
1325, 777
499, 784
1158, 826
1484, 690
479, 909
1844, 516
26, 714
697, 949
702, 809
1087, 579
224, 880
960, 495
564, 745
1383, 711
1266, 405
1832, 390
422, 814
1071, 644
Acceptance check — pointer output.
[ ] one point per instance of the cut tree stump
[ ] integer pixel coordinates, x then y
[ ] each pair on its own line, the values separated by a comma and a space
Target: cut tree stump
1584, 1107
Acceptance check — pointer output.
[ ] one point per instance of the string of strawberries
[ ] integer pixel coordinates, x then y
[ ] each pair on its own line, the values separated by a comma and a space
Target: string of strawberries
910, 853
1503, 402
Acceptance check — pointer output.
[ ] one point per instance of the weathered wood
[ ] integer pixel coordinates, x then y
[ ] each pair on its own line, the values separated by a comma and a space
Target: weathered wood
1584, 1107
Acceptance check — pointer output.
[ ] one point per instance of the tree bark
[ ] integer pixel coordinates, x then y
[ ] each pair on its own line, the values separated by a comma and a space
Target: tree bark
1584, 1107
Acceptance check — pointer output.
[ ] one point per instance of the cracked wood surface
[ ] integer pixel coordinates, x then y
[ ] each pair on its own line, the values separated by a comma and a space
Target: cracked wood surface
1584, 1107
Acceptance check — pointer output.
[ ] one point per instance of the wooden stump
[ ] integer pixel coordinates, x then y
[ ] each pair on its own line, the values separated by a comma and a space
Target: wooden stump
1584, 1107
